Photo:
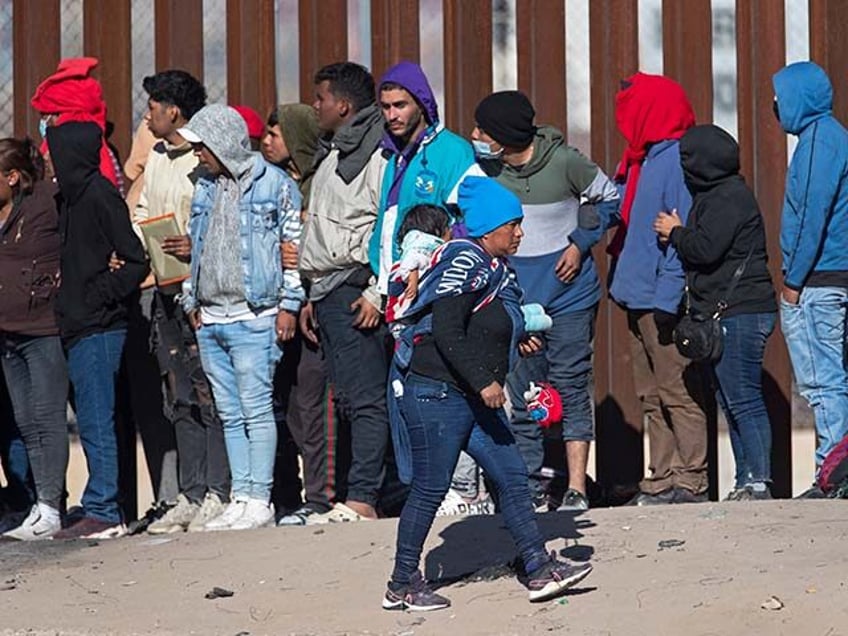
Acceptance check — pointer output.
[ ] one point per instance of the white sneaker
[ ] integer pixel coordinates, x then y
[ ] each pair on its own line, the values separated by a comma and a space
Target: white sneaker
212, 507
42, 522
232, 513
176, 519
258, 513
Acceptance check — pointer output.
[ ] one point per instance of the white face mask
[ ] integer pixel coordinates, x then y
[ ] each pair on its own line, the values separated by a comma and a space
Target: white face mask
484, 150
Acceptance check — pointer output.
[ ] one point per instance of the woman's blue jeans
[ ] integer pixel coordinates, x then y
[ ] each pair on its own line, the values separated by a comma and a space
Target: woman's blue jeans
740, 393
442, 421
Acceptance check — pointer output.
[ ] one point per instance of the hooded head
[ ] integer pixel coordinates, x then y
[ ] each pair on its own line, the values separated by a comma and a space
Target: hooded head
709, 155
804, 94
486, 205
300, 132
650, 109
223, 131
72, 93
410, 78
75, 154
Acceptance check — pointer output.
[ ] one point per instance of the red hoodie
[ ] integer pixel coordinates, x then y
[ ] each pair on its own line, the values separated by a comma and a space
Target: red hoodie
76, 96
648, 109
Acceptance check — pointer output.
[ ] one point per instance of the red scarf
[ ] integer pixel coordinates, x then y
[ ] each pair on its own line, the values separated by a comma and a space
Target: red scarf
76, 96
648, 109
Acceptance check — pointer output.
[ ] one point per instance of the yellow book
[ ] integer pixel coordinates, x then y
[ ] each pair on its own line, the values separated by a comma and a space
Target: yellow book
167, 268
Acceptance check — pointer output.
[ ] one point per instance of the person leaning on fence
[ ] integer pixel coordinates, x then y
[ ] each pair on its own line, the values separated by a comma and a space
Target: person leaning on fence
464, 330
343, 204
33, 359
652, 113
555, 268
242, 303
174, 96
814, 246
725, 234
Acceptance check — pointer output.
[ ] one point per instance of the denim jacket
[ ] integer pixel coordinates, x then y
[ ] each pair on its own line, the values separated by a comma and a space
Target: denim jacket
270, 213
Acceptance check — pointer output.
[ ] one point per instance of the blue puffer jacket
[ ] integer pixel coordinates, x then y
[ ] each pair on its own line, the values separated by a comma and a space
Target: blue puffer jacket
648, 274
814, 224
270, 213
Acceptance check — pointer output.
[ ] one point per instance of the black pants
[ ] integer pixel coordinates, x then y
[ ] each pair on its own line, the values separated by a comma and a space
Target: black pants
202, 455
358, 362
302, 411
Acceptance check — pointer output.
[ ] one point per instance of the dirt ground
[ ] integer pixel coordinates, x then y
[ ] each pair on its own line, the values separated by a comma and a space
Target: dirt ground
329, 580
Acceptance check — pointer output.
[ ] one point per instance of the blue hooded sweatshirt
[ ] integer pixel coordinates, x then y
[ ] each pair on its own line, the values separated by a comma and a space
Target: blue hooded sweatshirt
648, 275
428, 170
814, 224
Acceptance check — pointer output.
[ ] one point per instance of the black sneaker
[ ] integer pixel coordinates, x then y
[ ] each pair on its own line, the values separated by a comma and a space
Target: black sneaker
813, 492
301, 516
574, 501
553, 578
416, 597
684, 495
647, 499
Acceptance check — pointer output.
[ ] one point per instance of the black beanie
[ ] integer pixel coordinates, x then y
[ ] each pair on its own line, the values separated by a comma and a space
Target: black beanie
507, 117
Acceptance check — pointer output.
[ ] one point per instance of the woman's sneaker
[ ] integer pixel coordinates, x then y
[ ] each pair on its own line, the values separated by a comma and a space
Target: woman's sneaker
553, 578
176, 519
211, 508
415, 597
258, 513
41, 523
232, 513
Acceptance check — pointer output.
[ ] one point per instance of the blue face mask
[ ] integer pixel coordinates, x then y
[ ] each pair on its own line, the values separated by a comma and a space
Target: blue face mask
42, 128
484, 150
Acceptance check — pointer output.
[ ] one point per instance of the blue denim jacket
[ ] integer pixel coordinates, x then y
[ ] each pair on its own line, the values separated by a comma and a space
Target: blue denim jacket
270, 213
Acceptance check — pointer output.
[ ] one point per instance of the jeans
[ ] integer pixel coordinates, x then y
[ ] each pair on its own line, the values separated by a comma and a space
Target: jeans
93, 364
202, 453
19, 493
740, 392
442, 421
814, 330
239, 359
37, 377
358, 362
566, 363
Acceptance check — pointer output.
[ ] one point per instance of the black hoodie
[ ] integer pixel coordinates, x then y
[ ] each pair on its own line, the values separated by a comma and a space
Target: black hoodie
93, 222
724, 225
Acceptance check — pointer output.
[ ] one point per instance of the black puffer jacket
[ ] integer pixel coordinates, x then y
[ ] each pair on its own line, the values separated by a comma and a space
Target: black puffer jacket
724, 225
93, 222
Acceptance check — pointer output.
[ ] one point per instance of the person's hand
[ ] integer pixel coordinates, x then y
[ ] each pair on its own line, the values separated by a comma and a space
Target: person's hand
308, 324
288, 254
177, 246
568, 265
493, 396
791, 296
665, 323
665, 223
411, 290
194, 319
367, 315
286, 324
531, 346
115, 263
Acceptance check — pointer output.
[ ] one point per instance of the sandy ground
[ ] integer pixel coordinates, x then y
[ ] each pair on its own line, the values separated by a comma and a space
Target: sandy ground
329, 580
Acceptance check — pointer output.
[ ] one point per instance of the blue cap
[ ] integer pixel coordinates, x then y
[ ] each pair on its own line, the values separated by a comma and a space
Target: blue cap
486, 205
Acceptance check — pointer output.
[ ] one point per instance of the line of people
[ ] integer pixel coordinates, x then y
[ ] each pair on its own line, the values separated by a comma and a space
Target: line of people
363, 212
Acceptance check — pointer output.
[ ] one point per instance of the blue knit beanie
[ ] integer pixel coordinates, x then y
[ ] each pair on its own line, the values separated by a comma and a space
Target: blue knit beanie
486, 205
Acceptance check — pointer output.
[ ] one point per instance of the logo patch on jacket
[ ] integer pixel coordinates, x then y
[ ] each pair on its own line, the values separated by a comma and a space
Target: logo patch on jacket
425, 183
